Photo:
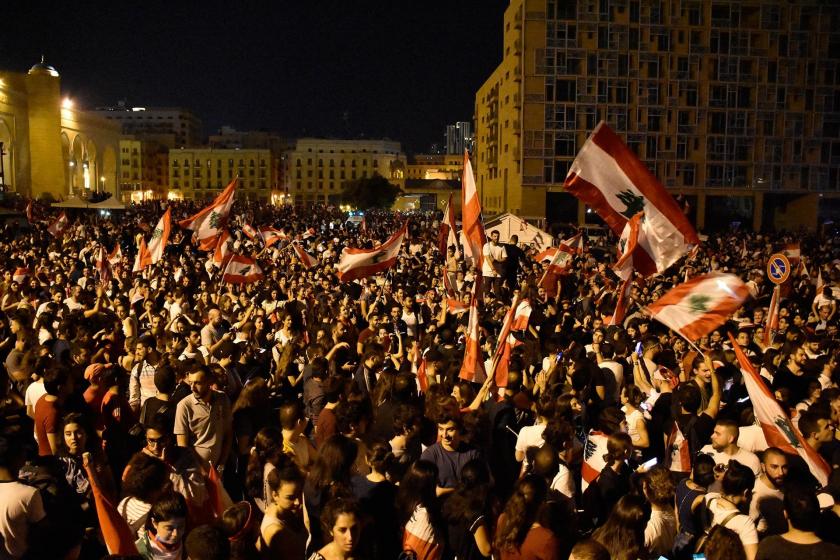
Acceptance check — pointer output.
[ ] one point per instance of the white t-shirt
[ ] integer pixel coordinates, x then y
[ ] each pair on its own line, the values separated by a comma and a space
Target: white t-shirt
746, 458
767, 508
751, 438
632, 422
34, 392
741, 523
497, 252
660, 532
20, 507
530, 436
563, 482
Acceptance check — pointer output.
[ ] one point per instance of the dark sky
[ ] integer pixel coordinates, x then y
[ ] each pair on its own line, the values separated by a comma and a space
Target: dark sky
402, 69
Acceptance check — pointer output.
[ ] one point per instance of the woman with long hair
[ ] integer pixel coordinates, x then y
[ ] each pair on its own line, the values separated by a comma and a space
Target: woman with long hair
519, 535
623, 535
266, 456
283, 533
329, 478
165, 529
468, 513
418, 510
342, 523
724, 544
240, 525
614, 480
631, 399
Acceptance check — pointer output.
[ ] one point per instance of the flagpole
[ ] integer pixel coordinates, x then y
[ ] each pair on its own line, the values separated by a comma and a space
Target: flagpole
690, 342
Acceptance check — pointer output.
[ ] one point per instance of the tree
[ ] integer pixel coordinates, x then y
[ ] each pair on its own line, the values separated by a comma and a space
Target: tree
370, 192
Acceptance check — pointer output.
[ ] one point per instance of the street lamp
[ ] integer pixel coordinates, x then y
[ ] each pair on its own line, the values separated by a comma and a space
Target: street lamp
102, 183
72, 165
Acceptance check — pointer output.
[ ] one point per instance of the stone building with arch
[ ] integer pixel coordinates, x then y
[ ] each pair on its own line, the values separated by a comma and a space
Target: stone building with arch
51, 149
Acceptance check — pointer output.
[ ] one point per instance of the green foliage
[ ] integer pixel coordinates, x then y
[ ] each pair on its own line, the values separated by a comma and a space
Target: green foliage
370, 192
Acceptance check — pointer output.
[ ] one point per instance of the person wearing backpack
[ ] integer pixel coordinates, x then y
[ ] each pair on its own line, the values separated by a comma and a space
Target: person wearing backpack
690, 496
727, 508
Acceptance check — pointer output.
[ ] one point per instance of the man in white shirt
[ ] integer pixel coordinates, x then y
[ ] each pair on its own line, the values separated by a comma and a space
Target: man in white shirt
492, 266
724, 447
767, 504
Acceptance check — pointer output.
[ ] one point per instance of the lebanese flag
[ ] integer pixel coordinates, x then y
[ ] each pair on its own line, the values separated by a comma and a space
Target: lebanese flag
361, 263
447, 237
29, 211
456, 307
153, 252
103, 266
309, 233
422, 378
699, 306
116, 256
621, 304
242, 270
118, 536
593, 458
271, 235
608, 177
59, 226
472, 368
207, 224
219, 497
777, 427
634, 252
307, 260
471, 222
363, 225
20, 274
248, 230
221, 251
772, 324
516, 320
561, 262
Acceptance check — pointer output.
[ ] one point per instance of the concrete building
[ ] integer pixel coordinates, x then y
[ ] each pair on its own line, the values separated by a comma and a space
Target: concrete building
459, 137
733, 103
201, 173
316, 168
435, 166
144, 170
172, 127
50, 148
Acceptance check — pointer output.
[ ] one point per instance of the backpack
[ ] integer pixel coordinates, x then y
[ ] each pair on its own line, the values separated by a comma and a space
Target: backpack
706, 519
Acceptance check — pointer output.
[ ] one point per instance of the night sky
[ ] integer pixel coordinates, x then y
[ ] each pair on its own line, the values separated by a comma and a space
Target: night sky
399, 69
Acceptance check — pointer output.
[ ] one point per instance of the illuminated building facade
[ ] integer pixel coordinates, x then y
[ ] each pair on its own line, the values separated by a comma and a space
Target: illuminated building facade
733, 103
50, 148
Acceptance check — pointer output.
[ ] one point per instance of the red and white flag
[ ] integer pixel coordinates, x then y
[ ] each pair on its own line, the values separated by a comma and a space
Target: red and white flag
59, 226
115, 258
608, 177
634, 251
242, 270
361, 263
309, 233
471, 222
777, 427
516, 320
699, 306
20, 275
307, 260
207, 224
447, 236
593, 458
222, 249
249, 230
271, 235
29, 211
454, 306
103, 265
363, 225
560, 263
472, 368
772, 324
620, 311
153, 252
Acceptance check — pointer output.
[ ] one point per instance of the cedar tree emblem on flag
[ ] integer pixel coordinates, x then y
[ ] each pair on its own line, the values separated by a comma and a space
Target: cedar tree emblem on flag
699, 303
634, 203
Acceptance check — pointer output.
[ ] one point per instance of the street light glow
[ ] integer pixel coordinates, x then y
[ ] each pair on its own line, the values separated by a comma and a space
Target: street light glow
67, 103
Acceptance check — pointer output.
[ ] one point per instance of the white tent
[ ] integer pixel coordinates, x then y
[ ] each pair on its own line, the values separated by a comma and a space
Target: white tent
109, 203
507, 224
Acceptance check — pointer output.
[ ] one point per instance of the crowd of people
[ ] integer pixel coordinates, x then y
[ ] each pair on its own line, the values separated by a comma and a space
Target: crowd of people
166, 414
